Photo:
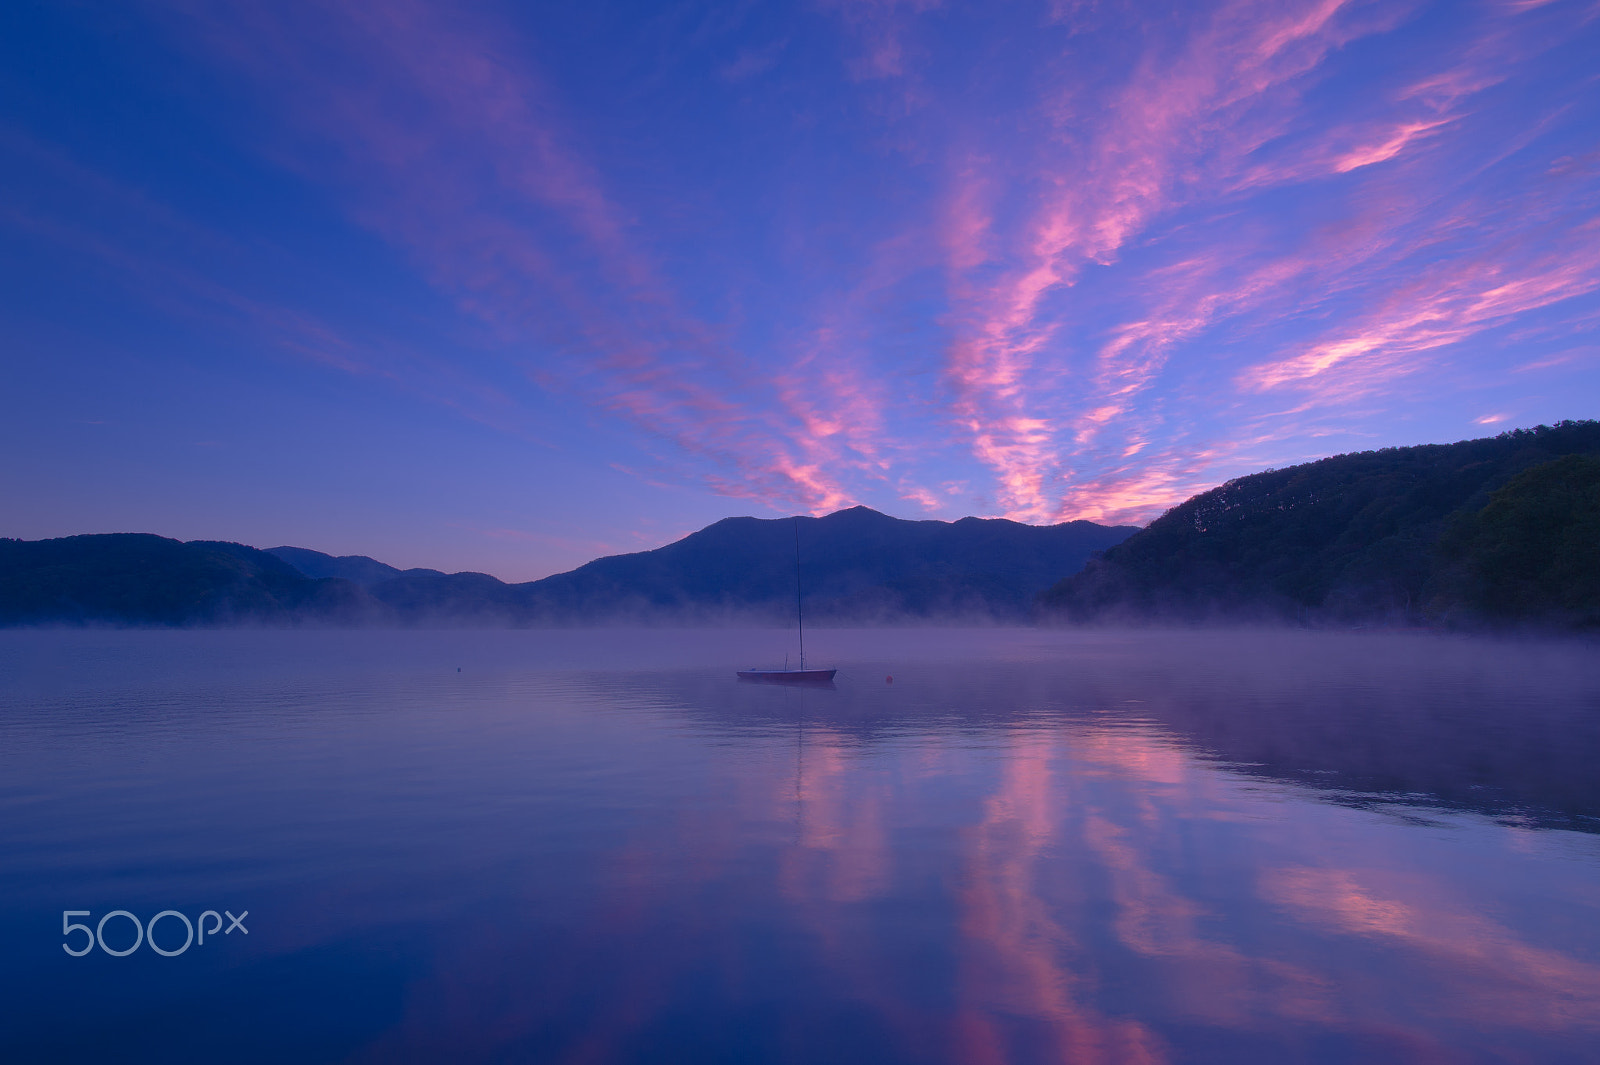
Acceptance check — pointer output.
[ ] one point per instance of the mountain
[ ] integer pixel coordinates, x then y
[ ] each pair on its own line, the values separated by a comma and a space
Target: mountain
140, 579
417, 595
1503, 531
859, 566
357, 569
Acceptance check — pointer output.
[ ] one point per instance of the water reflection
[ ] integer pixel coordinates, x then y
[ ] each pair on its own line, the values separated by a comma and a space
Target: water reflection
1505, 729
1027, 849
1118, 843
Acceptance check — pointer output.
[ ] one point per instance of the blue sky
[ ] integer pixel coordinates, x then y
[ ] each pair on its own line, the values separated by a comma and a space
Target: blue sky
506, 287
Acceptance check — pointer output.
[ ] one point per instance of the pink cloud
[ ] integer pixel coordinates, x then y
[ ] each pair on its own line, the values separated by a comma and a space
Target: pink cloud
1187, 135
462, 160
1450, 303
1388, 148
880, 28
923, 497
1232, 81
1120, 322
1133, 494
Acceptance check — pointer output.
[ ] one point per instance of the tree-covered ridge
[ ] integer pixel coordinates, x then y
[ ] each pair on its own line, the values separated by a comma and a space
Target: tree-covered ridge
1402, 534
1534, 551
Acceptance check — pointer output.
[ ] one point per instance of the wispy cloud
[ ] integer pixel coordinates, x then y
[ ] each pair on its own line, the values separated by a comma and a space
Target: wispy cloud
1451, 302
880, 29
152, 250
1152, 196
456, 151
1173, 132
1081, 264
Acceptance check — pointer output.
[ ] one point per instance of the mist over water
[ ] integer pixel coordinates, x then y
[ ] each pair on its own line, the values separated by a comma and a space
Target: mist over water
1029, 846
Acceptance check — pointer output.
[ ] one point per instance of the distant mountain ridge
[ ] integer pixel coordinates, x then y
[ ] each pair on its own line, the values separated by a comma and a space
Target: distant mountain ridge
357, 569
1503, 530
859, 566
142, 579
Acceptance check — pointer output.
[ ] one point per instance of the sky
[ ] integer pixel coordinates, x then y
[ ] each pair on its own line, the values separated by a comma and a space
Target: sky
505, 287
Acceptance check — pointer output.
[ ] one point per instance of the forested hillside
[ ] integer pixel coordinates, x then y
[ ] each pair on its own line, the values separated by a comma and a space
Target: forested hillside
1503, 531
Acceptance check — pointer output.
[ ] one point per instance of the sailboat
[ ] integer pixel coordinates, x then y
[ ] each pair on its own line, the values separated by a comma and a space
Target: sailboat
787, 675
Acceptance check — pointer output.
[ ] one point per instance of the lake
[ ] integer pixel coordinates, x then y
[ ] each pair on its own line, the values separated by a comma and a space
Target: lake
597, 846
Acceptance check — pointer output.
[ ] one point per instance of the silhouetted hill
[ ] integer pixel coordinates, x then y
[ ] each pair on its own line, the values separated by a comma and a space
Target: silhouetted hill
140, 579
859, 566
357, 569
426, 596
1442, 532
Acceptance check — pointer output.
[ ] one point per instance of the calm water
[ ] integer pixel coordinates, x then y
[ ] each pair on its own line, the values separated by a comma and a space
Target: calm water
598, 847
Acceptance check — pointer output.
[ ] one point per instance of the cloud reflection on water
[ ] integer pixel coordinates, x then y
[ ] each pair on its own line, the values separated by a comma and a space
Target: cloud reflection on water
1086, 873
1094, 848
1091, 857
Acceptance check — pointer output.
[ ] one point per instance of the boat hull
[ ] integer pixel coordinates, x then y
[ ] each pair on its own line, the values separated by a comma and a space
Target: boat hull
788, 676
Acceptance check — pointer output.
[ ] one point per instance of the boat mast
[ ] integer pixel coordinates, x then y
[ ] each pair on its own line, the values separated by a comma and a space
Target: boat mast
799, 616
